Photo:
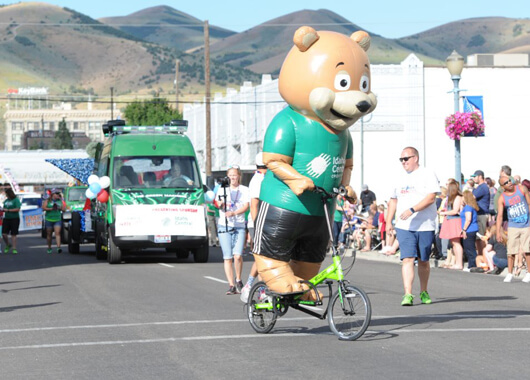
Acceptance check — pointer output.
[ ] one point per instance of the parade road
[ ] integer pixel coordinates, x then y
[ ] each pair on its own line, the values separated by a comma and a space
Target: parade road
69, 316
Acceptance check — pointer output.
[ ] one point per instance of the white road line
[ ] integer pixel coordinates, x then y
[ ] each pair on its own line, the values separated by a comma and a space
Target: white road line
252, 336
245, 320
166, 265
216, 279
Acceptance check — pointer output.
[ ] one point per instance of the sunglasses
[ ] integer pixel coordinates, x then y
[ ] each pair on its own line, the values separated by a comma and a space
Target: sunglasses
405, 159
505, 183
234, 167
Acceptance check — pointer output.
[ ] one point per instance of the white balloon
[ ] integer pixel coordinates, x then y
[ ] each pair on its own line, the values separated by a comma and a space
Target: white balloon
209, 196
104, 182
93, 178
89, 194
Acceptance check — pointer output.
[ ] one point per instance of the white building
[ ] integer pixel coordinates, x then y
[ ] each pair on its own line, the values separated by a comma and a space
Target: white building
88, 121
413, 102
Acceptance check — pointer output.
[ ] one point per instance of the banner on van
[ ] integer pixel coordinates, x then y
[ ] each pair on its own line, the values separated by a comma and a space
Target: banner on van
162, 219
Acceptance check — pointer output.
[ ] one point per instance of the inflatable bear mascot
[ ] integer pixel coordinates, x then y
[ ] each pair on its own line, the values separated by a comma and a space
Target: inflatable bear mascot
325, 79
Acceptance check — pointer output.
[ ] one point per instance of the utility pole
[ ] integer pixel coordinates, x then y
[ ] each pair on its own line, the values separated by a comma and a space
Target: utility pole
207, 84
177, 66
112, 103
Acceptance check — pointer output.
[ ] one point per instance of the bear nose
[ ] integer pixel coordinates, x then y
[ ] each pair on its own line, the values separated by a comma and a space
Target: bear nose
363, 106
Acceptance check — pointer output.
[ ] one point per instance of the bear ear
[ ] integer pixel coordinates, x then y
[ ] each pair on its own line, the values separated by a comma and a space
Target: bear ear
362, 38
304, 37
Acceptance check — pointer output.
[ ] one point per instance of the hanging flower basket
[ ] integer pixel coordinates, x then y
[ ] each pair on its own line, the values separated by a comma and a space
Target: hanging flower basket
464, 124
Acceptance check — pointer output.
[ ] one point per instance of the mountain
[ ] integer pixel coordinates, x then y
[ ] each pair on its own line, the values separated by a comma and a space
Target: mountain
59, 48
166, 26
472, 36
263, 48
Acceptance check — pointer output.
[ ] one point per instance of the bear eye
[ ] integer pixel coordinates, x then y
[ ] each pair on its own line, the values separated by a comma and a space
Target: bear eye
342, 82
364, 84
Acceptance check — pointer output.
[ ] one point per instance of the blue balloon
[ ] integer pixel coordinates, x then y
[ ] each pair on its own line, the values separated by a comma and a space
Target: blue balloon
95, 187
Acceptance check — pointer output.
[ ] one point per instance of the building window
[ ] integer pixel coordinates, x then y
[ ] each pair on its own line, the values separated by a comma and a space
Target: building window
17, 126
76, 125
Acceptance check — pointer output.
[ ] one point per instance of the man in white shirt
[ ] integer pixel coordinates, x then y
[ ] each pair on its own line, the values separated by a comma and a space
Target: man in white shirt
413, 203
254, 190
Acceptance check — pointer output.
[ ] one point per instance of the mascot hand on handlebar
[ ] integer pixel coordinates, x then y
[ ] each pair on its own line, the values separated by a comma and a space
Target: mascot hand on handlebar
325, 79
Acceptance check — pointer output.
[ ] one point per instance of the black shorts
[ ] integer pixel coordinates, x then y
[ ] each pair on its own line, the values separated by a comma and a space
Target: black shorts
284, 235
10, 226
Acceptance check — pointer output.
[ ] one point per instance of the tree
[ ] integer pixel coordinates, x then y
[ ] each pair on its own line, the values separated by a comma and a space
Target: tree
151, 112
63, 138
91, 149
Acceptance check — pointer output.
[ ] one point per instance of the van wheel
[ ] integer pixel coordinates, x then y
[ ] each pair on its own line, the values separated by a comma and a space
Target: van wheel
200, 255
75, 226
73, 248
113, 251
101, 254
183, 253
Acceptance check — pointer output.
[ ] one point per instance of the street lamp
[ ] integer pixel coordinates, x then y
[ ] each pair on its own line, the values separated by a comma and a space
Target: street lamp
455, 65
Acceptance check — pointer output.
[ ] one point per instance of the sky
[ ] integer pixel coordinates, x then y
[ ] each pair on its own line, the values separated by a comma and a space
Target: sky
389, 18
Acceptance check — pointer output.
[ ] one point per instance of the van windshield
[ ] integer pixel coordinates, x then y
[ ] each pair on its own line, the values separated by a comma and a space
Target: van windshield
77, 194
30, 202
156, 172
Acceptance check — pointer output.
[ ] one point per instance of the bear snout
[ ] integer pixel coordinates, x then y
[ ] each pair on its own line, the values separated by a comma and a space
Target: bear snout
363, 106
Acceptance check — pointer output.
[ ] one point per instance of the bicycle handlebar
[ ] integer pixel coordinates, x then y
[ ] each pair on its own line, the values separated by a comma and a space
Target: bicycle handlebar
336, 191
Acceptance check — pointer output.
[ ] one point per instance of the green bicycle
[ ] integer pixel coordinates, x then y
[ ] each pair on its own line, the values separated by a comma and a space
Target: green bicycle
348, 312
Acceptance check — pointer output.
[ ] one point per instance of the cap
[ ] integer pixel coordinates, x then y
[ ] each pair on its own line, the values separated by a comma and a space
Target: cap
259, 159
56, 191
478, 173
365, 187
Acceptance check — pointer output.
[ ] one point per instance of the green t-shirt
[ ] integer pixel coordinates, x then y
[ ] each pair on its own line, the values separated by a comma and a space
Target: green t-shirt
53, 215
11, 204
337, 217
317, 154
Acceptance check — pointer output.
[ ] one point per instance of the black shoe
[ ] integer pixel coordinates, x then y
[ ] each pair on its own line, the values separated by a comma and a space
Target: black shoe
239, 286
495, 271
476, 270
59, 250
231, 290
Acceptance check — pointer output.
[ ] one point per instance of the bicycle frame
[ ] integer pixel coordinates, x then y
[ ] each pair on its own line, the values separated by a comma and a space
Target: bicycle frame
332, 273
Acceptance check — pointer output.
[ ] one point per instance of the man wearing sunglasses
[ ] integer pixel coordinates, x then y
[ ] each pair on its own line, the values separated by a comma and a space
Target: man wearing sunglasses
413, 203
515, 199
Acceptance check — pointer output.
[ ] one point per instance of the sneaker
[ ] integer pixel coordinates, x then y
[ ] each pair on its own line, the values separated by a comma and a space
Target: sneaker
7, 248
231, 290
477, 270
49, 250
526, 277
508, 278
425, 298
244, 293
239, 286
407, 300
59, 250
15, 251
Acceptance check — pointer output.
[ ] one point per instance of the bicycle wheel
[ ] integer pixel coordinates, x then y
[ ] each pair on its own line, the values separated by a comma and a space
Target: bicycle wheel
259, 308
349, 315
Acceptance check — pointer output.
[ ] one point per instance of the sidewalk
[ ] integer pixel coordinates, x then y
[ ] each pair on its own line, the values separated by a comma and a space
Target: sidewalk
434, 263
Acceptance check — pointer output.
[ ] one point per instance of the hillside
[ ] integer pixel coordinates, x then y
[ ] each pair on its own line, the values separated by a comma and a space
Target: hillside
471, 36
166, 26
46, 45
263, 48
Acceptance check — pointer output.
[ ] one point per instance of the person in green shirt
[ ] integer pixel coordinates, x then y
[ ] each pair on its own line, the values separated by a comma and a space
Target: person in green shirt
11, 220
54, 206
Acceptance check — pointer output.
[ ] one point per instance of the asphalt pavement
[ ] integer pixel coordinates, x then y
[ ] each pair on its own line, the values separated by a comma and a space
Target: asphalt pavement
158, 317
